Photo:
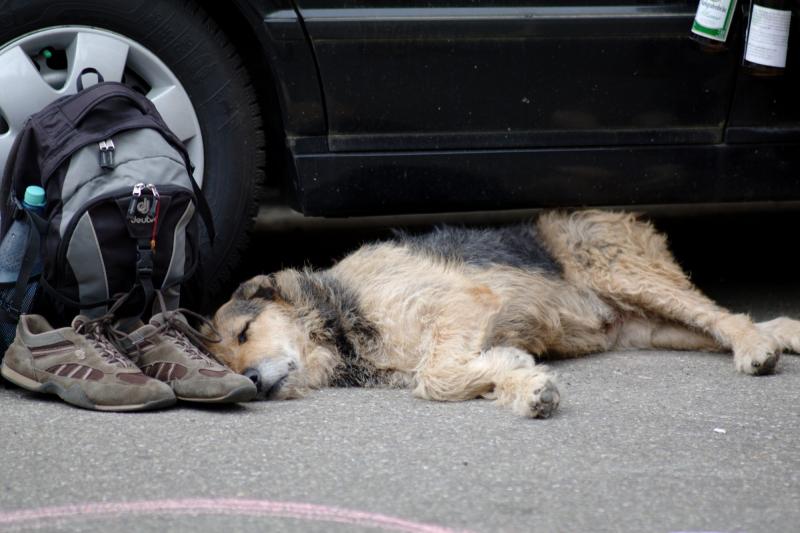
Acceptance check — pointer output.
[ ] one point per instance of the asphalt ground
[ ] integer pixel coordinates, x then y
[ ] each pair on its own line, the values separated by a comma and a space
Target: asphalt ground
643, 441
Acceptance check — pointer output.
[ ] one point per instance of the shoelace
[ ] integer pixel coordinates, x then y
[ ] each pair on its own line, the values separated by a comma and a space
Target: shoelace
185, 336
182, 341
96, 330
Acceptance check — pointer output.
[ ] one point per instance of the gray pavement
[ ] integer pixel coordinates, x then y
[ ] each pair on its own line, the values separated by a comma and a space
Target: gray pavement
643, 441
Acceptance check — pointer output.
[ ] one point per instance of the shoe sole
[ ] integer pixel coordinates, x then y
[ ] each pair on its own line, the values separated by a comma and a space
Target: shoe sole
238, 395
74, 395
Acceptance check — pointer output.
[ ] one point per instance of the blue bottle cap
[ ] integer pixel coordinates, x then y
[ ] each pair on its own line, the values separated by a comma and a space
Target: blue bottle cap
34, 196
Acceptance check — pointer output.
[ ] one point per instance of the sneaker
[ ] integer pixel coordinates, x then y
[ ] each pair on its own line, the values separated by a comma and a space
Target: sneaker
81, 366
163, 350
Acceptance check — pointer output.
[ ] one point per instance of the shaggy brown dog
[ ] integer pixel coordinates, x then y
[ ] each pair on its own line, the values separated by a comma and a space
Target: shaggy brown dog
461, 313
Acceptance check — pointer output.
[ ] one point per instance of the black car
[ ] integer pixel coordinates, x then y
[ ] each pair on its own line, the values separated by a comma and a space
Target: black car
358, 107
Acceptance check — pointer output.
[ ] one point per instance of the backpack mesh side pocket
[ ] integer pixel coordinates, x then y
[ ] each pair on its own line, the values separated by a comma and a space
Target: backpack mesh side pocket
8, 327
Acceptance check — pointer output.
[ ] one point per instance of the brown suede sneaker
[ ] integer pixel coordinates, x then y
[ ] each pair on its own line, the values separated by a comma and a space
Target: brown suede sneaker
81, 366
163, 350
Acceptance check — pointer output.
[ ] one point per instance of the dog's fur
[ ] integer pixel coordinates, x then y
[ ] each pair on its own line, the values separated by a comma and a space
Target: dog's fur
462, 313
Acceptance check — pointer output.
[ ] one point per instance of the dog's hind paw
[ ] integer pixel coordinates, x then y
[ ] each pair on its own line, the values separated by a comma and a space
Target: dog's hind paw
785, 331
757, 359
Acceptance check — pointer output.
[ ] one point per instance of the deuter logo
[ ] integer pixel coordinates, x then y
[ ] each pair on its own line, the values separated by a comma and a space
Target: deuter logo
142, 208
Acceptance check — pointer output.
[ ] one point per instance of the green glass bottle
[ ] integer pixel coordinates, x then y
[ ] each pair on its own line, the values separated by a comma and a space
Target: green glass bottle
712, 22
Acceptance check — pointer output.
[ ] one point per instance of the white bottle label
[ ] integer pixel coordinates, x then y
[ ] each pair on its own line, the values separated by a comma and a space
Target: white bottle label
713, 19
768, 37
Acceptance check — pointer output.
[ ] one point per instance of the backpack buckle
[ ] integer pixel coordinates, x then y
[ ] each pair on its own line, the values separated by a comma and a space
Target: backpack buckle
144, 260
144, 270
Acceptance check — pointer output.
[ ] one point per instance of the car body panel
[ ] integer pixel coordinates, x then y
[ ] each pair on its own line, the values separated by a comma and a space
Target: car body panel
534, 74
448, 181
398, 107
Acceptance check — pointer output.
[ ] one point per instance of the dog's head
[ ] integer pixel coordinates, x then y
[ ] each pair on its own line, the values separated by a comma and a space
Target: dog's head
265, 338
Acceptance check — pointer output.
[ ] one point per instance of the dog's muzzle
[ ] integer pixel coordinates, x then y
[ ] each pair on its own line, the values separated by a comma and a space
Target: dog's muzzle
267, 386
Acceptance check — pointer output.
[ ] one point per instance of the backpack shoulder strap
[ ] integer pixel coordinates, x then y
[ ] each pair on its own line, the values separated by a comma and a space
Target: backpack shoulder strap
203, 209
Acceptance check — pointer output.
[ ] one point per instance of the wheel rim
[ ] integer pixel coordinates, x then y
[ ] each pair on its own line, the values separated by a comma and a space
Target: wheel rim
43, 65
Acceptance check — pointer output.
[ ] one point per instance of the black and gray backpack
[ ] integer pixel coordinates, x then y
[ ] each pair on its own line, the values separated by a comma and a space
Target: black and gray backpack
121, 199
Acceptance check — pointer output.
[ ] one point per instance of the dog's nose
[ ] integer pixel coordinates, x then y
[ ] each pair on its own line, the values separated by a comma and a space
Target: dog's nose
254, 376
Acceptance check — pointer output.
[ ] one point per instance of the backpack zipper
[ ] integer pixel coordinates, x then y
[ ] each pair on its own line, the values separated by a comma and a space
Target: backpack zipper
154, 211
135, 194
153, 190
107, 150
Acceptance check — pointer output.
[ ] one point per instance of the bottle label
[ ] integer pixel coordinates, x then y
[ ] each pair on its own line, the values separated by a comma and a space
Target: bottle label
768, 36
713, 19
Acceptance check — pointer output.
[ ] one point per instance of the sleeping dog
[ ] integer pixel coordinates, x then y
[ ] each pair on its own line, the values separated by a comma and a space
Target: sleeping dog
463, 313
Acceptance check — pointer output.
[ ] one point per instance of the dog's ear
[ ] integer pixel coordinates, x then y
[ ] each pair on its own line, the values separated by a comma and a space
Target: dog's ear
257, 287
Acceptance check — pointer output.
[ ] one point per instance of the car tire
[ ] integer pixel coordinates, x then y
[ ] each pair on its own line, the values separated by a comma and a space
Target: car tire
207, 65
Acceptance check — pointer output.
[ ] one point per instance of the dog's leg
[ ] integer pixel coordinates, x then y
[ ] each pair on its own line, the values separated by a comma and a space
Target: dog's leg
508, 375
458, 365
754, 350
627, 262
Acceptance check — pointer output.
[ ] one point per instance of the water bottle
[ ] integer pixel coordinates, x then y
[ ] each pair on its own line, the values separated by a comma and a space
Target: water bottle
15, 241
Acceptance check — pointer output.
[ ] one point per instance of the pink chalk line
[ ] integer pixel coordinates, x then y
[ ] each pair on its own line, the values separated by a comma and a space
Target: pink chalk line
302, 511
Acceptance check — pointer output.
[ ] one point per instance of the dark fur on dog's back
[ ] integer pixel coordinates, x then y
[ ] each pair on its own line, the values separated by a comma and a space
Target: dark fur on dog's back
516, 246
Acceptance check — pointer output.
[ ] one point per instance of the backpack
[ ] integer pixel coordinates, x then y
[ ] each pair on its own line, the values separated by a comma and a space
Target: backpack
121, 200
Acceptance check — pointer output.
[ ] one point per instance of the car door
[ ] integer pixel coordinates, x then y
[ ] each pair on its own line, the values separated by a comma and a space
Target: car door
487, 74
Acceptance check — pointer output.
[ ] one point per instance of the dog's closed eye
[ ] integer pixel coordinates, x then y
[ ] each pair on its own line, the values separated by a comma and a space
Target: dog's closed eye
243, 335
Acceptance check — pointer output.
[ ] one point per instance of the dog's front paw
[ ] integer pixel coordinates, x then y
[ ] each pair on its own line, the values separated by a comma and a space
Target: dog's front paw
543, 401
756, 358
538, 400
530, 392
